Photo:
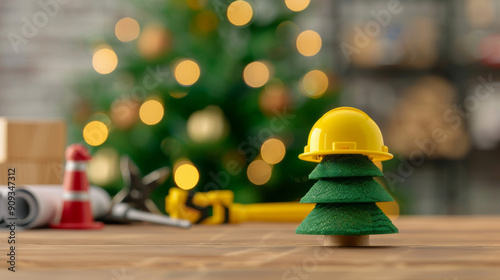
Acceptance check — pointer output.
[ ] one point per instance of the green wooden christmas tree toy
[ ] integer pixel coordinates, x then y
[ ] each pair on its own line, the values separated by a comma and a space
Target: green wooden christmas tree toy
346, 142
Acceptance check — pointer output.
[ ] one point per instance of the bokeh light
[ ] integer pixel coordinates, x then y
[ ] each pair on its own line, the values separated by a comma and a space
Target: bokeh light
124, 113
259, 172
104, 168
315, 83
273, 151
207, 125
308, 43
297, 5
178, 94
151, 112
187, 72
95, 133
104, 61
186, 176
239, 13
127, 29
256, 74
154, 41
274, 96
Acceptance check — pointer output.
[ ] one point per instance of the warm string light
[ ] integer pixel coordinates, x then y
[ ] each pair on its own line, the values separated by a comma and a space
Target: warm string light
308, 43
154, 41
186, 175
256, 74
274, 97
297, 5
178, 94
259, 172
187, 72
124, 113
239, 13
314, 84
151, 112
104, 60
273, 151
104, 168
95, 133
207, 125
127, 29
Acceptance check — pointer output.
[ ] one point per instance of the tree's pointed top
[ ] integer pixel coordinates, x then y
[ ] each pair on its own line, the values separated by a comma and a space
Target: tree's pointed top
345, 166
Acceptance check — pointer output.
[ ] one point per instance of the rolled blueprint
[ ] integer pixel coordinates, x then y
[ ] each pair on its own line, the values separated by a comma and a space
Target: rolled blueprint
40, 205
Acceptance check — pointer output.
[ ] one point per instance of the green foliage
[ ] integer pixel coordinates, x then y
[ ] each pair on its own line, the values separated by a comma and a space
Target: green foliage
222, 55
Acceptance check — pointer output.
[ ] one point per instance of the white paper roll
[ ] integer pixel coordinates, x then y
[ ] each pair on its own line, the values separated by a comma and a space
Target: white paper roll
40, 205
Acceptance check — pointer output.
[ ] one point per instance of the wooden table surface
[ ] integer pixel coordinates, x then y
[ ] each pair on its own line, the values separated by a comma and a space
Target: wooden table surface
444, 248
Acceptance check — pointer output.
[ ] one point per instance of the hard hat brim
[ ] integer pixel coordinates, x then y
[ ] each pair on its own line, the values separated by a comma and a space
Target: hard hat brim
318, 155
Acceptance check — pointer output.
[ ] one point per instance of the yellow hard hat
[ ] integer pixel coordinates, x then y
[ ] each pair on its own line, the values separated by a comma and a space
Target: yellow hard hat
345, 130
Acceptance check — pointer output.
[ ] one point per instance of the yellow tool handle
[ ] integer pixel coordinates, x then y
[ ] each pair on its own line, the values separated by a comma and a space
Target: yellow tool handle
269, 212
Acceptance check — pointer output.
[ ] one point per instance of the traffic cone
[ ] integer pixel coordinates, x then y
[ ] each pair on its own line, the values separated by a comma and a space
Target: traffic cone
76, 212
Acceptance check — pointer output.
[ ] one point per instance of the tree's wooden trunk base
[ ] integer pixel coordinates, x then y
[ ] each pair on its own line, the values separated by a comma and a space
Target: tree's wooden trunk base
347, 240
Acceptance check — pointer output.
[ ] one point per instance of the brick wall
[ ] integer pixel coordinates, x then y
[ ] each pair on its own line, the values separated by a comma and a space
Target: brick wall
34, 80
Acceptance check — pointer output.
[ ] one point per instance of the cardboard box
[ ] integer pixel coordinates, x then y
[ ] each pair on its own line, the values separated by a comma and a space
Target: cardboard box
33, 173
31, 141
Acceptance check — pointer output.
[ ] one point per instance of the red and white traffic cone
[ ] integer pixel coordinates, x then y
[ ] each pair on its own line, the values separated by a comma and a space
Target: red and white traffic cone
76, 212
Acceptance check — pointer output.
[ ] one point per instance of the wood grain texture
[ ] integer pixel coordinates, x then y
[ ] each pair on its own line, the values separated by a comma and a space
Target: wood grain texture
33, 172
32, 140
445, 248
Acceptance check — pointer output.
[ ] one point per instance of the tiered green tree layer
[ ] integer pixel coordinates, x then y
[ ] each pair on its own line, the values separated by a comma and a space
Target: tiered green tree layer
345, 196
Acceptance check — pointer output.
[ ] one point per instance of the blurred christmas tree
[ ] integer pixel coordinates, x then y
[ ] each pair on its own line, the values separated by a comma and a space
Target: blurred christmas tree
222, 91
